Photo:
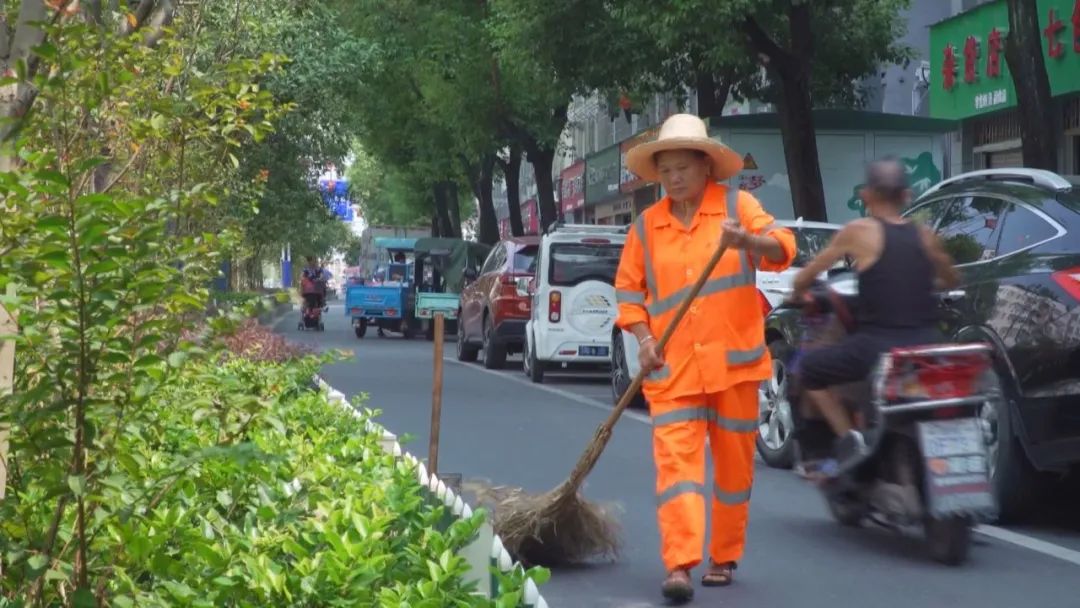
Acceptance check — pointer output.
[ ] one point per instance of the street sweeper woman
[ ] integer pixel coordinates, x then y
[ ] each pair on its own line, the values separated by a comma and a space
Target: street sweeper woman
705, 382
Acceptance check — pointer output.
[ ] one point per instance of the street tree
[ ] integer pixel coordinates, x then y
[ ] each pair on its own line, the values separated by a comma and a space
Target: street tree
812, 53
420, 101
1024, 56
546, 52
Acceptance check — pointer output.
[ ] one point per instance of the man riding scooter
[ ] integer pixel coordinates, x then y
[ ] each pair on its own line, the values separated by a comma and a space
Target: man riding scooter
899, 265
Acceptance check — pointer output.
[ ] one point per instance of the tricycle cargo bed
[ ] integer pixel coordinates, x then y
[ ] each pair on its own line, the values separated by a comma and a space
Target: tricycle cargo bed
374, 302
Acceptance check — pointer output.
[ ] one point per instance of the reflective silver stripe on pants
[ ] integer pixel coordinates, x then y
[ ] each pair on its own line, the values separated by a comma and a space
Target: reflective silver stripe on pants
661, 374
705, 414
683, 414
731, 498
650, 278
626, 296
678, 489
741, 357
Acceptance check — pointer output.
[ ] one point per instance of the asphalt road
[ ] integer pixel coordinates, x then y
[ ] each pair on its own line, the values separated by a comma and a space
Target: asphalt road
500, 427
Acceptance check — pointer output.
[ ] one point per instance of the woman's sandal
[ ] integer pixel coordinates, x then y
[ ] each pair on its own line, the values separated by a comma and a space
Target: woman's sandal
718, 575
677, 586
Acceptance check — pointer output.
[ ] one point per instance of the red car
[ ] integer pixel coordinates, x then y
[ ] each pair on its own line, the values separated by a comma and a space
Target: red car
494, 309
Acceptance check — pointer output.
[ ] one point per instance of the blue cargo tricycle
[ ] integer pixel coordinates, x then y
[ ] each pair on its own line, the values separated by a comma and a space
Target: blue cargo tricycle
388, 300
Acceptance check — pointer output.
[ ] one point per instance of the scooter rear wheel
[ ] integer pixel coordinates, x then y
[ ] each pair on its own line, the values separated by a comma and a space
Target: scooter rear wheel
949, 539
846, 509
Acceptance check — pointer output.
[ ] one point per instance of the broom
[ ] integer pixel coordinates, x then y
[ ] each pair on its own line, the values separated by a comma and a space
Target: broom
561, 527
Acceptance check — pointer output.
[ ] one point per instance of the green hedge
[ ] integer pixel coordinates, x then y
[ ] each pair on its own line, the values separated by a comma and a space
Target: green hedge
266, 494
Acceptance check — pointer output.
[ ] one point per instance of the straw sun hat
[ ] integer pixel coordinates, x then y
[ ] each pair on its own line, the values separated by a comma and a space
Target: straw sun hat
683, 132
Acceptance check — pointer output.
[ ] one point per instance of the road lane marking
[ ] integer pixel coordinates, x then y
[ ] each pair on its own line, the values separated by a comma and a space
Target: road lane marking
565, 394
1031, 543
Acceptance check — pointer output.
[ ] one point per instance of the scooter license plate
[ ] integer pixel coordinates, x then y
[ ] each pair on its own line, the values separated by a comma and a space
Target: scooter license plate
957, 471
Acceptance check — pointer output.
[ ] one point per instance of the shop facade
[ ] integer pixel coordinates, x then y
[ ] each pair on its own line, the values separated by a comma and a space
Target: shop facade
971, 83
640, 193
530, 217
602, 195
572, 193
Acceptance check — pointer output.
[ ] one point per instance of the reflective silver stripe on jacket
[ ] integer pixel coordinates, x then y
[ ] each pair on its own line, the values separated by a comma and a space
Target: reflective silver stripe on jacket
650, 277
742, 357
660, 374
629, 296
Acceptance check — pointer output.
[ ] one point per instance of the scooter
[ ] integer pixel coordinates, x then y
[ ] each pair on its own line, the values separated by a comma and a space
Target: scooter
926, 459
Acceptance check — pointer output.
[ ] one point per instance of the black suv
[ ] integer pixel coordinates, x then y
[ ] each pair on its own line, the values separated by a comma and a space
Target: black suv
1015, 236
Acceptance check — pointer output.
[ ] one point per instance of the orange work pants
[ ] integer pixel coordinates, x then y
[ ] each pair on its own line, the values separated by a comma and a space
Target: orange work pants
680, 427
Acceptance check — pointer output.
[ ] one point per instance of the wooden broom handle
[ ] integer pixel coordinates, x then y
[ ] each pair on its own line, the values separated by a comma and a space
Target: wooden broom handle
603, 432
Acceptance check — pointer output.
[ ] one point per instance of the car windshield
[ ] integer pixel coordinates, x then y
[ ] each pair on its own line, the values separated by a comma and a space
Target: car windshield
525, 259
809, 242
573, 263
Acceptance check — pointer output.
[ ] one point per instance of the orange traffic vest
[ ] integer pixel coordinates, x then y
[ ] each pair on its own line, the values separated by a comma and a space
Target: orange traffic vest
721, 340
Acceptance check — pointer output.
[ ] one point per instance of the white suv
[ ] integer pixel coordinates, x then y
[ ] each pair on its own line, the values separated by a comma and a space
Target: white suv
773, 287
573, 298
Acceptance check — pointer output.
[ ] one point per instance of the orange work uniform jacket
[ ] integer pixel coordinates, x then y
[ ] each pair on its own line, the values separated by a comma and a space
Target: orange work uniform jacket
721, 340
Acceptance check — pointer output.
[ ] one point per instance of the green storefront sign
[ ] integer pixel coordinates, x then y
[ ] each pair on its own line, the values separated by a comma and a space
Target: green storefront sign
969, 75
602, 176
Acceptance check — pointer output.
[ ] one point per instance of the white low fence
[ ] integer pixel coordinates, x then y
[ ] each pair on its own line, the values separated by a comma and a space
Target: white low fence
486, 550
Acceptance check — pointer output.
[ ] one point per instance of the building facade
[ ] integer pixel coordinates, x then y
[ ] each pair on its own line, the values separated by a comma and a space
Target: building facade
971, 83
598, 136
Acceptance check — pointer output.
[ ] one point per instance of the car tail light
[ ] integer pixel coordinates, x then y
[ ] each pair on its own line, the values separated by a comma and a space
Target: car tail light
1069, 280
766, 308
554, 307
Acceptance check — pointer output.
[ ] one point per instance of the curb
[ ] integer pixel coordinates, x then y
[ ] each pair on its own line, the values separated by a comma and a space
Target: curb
486, 550
271, 317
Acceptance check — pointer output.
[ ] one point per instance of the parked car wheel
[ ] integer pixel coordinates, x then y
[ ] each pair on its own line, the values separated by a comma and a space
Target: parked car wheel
620, 376
775, 422
494, 353
534, 369
1015, 481
465, 352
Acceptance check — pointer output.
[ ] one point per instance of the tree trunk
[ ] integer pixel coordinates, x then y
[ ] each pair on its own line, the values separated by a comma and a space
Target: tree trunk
442, 213
800, 147
1024, 55
489, 224
713, 92
791, 68
453, 207
542, 159
512, 174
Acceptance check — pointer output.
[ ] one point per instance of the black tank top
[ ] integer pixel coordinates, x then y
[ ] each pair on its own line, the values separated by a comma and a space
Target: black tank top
897, 292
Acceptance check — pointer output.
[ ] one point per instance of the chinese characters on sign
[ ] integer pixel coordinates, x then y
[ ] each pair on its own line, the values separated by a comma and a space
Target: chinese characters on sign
993, 58
993, 98
971, 58
948, 68
751, 182
1055, 49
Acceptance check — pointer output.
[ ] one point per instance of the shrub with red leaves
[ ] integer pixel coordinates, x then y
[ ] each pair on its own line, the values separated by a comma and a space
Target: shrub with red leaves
257, 342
